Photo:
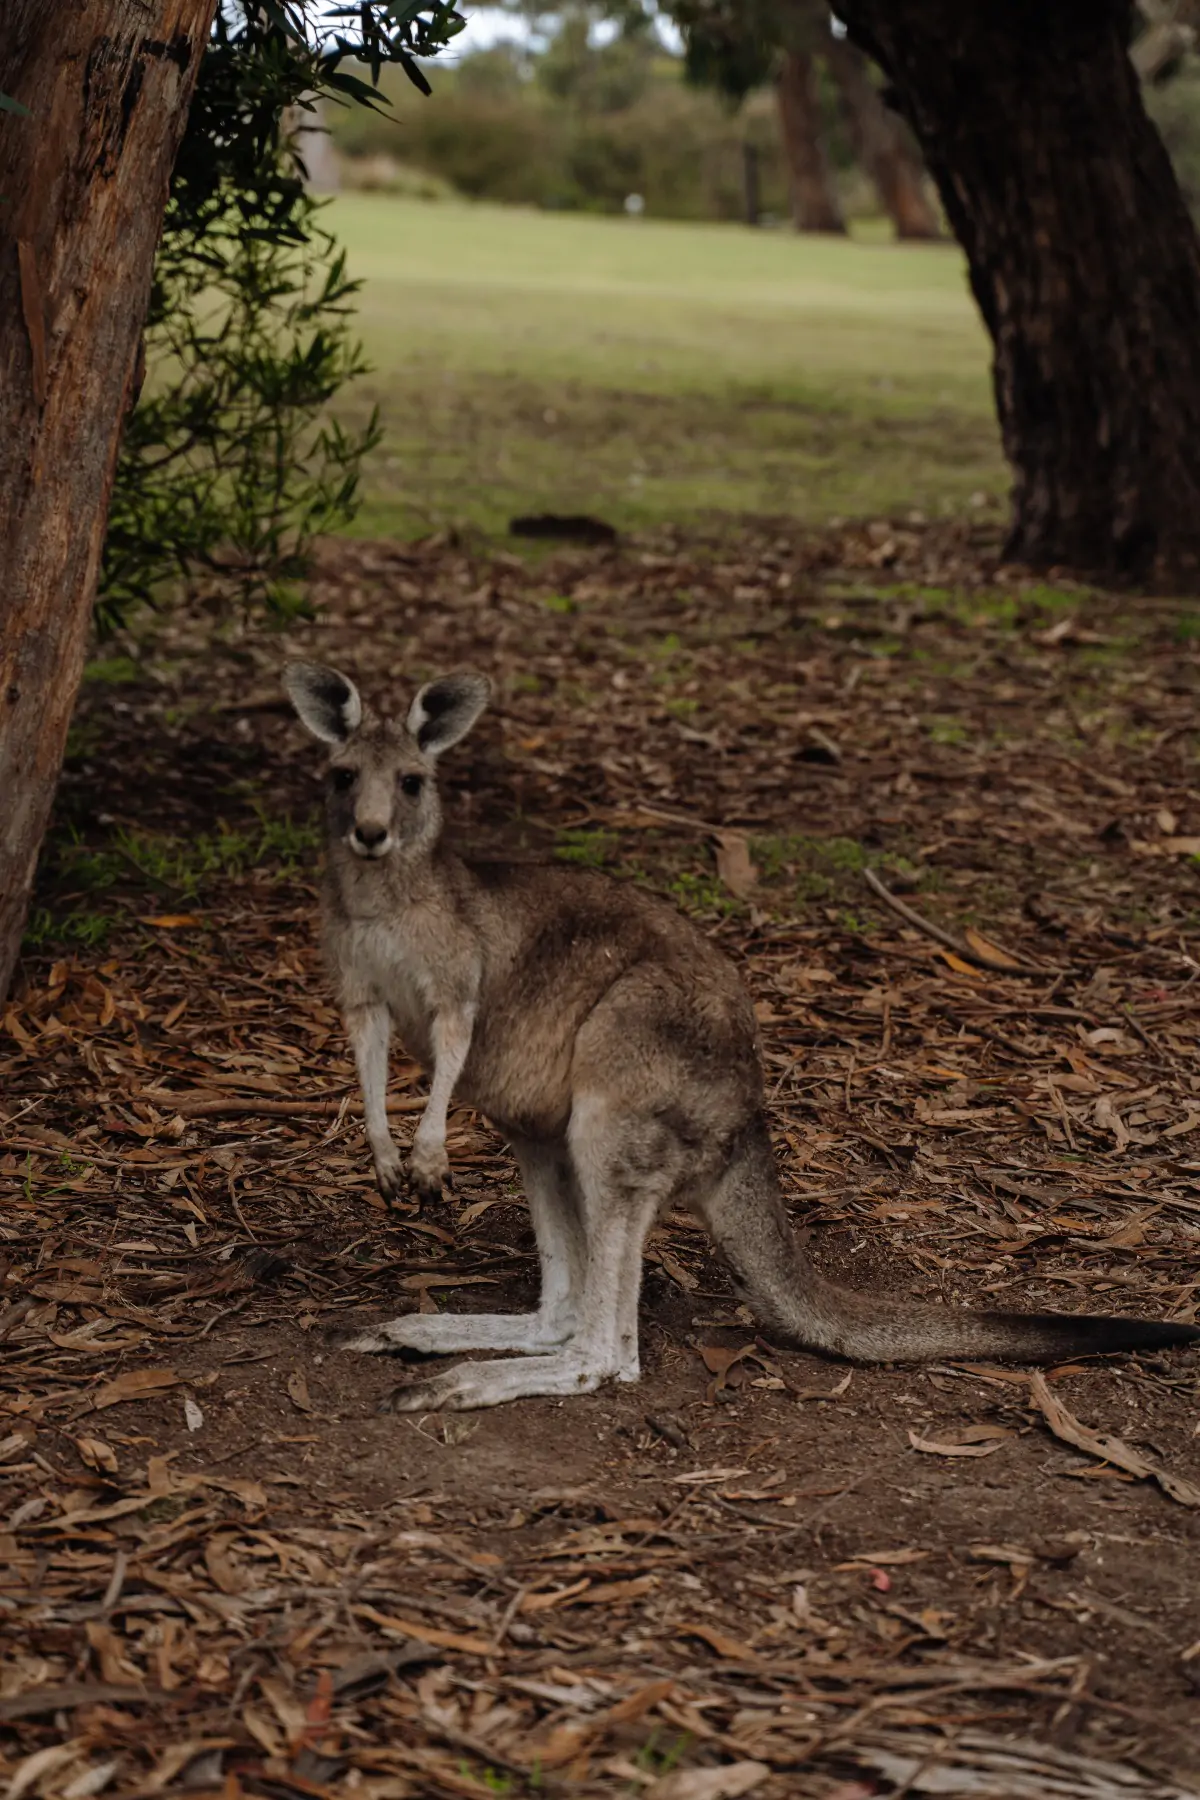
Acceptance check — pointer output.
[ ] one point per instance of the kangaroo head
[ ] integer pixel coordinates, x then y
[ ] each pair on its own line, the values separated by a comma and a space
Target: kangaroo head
381, 794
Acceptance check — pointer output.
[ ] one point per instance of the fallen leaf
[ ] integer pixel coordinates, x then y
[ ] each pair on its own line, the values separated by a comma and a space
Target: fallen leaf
221, 1566
476, 1210
867, 1559
614, 1593
168, 921
562, 1745
36, 1768
109, 1652
134, 1384
993, 952
416, 1283
717, 1359
288, 1709
933, 1448
543, 1602
1106, 1118
320, 1707
1015, 1555
252, 1494
731, 1648
725, 1366
427, 1634
91, 1781
97, 1454
16, 1030
639, 1703
683, 1278
297, 1388
725, 1783
263, 1731
959, 966
734, 865
706, 1477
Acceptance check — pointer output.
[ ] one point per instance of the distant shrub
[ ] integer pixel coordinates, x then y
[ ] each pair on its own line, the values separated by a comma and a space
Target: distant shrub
495, 130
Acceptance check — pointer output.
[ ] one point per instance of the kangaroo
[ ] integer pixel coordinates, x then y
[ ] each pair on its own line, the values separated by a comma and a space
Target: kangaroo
616, 1049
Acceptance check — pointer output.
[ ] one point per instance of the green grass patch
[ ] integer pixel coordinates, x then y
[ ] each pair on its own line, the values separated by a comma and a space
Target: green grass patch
947, 731
702, 894
177, 869
587, 848
808, 868
655, 371
116, 671
79, 929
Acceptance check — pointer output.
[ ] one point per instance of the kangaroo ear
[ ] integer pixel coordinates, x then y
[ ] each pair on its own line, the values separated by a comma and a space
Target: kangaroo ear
328, 703
446, 709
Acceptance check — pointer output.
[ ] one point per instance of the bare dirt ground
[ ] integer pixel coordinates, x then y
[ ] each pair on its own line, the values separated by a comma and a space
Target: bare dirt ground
224, 1570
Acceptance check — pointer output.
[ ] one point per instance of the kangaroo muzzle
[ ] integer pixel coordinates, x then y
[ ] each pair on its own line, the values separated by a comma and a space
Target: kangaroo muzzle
369, 839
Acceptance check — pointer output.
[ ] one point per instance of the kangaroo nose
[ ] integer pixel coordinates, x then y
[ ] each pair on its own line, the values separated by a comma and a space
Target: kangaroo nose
370, 835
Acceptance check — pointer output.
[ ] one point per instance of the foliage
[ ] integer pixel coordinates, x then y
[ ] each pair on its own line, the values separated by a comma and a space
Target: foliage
180, 869
729, 46
577, 128
228, 467
1174, 105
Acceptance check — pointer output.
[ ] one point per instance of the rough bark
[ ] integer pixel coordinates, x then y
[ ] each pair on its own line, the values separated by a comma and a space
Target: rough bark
881, 143
1083, 260
814, 202
83, 181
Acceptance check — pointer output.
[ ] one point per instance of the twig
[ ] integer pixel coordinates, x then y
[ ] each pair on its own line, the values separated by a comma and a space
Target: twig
510, 1613
1070, 1430
919, 923
1151, 1044
985, 1031
204, 1106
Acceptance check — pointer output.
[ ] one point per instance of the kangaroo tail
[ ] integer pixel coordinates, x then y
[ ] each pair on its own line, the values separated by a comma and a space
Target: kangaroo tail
797, 1306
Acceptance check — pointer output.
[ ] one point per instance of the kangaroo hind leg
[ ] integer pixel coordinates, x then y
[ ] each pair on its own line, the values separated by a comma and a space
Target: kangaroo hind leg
626, 1168
554, 1205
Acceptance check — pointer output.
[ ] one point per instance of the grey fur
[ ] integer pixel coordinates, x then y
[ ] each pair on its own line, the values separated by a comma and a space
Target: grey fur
616, 1049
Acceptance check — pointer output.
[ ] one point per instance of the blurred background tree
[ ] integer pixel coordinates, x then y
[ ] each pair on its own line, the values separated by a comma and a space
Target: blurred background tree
593, 101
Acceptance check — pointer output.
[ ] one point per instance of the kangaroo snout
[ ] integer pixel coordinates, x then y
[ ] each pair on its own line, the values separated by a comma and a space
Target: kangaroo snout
370, 840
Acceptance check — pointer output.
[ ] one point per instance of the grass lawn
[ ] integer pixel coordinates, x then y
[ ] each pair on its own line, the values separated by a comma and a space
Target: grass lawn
654, 371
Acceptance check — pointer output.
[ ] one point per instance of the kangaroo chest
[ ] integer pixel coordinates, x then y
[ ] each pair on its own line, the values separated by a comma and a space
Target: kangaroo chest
392, 962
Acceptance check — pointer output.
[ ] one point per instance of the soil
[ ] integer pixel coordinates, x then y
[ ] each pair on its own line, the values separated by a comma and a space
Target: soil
223, 1568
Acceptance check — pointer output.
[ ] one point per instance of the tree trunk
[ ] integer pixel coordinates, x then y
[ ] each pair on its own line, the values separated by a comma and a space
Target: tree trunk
1083, 260
881, 143
814, 202
83, 186
750, 185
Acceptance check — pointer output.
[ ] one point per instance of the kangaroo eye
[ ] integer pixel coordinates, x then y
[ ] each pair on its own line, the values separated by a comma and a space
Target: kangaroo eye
411, 785
341, 779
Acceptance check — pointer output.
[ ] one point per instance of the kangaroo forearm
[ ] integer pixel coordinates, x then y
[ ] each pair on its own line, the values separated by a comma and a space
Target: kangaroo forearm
451, 1042
369, 1031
